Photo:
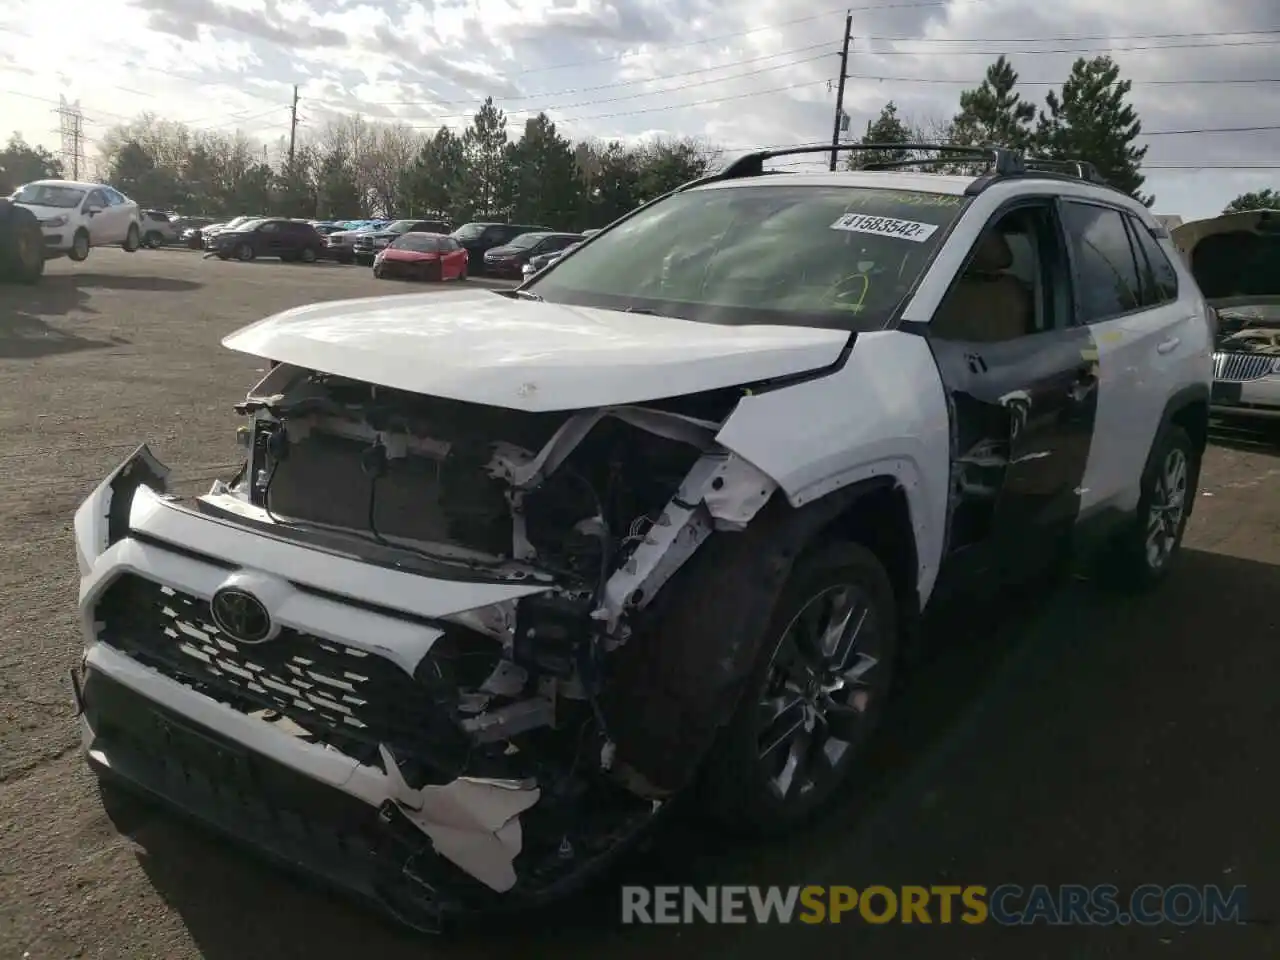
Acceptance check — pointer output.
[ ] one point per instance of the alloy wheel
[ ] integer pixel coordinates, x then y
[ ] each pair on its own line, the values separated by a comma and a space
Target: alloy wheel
1168, 504
821, 686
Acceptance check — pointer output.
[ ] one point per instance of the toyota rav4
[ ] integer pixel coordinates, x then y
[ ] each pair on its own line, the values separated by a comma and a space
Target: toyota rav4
504, 573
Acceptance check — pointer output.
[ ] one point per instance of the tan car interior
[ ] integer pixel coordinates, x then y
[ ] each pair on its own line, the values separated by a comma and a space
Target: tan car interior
987, 304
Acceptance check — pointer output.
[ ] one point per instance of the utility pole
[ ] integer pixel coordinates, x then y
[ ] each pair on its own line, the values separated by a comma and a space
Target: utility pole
293, 124
844, 69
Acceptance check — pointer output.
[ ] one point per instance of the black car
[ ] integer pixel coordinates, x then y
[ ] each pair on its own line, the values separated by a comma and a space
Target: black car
479, 238
287, 239
509, 259
367, 245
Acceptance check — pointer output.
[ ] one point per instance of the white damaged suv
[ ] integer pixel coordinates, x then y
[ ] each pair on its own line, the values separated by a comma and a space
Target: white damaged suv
503, 573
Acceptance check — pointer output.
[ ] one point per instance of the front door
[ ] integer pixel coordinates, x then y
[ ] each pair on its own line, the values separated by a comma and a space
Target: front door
100, 230
1021, 377
270, 239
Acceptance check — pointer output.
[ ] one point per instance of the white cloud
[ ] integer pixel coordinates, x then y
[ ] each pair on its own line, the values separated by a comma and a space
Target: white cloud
748, 74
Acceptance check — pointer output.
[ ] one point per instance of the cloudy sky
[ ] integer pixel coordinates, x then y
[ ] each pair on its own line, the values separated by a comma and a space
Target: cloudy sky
744, 74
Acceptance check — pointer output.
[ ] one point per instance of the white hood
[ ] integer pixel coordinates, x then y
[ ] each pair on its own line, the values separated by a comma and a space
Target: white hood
48, 213
481, 347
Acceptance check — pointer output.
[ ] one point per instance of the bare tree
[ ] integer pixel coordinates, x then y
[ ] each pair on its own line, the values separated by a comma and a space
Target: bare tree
382, 174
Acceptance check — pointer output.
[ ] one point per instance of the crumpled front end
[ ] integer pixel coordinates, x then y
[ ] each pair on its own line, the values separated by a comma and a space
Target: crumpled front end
383, 651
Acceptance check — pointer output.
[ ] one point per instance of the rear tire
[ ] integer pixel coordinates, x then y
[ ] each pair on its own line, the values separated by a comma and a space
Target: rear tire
308, 255
153, 240
1142, 554
758, 782
132, 239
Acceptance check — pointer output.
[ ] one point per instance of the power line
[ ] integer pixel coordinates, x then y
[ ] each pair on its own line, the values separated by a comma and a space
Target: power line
1075, 39
620, 83
1097, 50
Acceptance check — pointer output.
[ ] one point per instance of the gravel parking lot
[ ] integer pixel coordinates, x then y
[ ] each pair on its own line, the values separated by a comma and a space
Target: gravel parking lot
1058, 737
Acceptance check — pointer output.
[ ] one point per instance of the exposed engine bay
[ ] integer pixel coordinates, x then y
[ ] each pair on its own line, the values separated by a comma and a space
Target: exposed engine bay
594, 511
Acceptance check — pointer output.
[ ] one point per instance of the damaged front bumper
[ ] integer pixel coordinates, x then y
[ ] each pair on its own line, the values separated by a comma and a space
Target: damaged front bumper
420, 852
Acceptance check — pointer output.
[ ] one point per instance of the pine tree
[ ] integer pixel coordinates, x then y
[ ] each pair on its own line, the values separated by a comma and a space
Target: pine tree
994, 112
1092, 121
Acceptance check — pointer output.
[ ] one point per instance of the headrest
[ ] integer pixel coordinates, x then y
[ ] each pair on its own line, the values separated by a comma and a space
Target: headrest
993, 253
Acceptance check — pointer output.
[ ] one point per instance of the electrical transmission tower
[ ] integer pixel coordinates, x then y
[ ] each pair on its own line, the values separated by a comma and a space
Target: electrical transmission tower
72, 130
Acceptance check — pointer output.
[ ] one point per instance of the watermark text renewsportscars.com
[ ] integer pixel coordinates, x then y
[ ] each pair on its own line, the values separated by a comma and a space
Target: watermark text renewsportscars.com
1005, 905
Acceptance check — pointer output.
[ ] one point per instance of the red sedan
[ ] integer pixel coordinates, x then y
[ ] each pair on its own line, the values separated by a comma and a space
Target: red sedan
421, 256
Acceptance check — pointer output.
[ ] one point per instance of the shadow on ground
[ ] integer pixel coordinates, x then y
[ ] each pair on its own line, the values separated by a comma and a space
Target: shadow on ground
1061, 737
25, 312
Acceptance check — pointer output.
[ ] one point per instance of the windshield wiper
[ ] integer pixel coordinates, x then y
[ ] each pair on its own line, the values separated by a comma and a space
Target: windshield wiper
521, 295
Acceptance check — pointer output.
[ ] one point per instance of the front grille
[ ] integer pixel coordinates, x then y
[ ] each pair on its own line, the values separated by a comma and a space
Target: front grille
399, 268
338, 695
1242, 366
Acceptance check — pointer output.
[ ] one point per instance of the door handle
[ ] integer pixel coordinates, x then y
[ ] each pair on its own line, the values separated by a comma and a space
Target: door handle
1168, 346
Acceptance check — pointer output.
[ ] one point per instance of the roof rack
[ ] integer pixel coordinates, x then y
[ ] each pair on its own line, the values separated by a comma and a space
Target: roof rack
1005, 162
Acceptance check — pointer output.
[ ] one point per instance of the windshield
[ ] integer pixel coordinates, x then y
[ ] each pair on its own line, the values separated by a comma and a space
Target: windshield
470, 231
401, 226
247, 225
527, 240
819, 256
44, 195
418, 242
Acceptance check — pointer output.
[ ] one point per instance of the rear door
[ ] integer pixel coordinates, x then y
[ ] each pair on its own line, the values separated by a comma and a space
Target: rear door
1021, 378
1127, 293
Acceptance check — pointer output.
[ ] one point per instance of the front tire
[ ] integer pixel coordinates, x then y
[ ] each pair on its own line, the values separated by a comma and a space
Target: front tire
132, 239
244, 253
79, 251
1144, 552
153, 240
308, 255
814, 696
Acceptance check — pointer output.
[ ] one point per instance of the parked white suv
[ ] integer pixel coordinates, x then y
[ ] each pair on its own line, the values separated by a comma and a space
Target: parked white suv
75, 216
503, 572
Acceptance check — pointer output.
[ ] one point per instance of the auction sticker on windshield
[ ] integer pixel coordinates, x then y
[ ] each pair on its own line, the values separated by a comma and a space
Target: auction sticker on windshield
911, 230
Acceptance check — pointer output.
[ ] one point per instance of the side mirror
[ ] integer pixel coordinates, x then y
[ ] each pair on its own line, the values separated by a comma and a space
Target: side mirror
92, 211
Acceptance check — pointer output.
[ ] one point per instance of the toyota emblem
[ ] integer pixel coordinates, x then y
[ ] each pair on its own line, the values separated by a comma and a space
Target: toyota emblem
240, 615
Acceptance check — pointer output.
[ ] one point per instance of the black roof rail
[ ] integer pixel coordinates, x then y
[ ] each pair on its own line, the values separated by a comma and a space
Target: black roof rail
1005, 161
1082, 169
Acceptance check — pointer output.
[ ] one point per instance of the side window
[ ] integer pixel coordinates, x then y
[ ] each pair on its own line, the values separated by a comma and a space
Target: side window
1013, 284
1159, 279
269, 227
96, 198
1105, 266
